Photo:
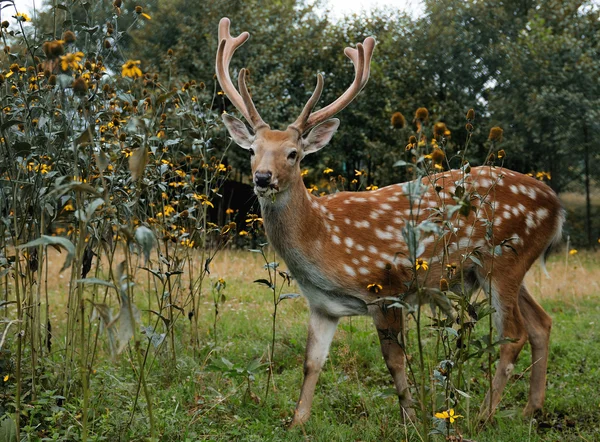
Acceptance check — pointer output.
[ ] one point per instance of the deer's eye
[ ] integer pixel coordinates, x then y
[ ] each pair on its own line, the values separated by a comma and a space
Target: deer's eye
293, 155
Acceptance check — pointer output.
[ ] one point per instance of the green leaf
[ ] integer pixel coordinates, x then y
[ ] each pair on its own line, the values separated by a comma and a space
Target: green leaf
60, 241
96, 281
462, 393
475, 260
8, 429
264, 282
10, 123
137, 162
146, 240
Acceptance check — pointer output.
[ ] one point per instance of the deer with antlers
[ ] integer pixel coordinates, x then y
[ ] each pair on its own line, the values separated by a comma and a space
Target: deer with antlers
337, 246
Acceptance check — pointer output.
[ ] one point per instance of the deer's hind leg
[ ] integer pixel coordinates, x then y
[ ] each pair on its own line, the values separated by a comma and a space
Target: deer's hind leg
390, 328
538, 325
504, 294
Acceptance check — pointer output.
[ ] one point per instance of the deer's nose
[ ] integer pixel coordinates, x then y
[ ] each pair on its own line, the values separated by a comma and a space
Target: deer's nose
262, 179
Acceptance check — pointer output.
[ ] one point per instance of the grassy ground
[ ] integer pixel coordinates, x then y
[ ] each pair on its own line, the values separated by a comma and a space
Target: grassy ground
220, 394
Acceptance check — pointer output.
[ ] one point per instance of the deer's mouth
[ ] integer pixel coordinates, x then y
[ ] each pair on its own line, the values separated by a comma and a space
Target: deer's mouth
265, 192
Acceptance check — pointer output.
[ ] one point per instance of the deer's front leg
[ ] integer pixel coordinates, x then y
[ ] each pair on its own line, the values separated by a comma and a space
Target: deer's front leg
390, 327
320, 334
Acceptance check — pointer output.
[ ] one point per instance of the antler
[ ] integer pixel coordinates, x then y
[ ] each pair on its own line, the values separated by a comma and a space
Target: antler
361, 58
243, 102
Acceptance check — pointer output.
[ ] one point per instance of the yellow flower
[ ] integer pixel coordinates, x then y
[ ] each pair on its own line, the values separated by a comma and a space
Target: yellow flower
328, 170
253, 218
449, 414
243, 233
71, 61
221, 168
229, 211
169, 210
131, 69
304, 172
543, 176
203, 200
139, 10
187, 243
372, 187
375, 288
573, 252
501, 154
422, 264
21, 16
181, 173
358, 172
6, 378
313, 188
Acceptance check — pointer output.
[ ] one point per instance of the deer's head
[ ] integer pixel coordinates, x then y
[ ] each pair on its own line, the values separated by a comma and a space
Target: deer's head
276, 154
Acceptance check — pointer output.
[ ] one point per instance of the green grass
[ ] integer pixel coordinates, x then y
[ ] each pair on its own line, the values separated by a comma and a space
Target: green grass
194, 399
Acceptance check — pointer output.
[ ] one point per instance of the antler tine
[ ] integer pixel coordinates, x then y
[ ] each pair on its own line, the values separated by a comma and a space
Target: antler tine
368, 47
255, 119
227, 47
300, 122
361, 58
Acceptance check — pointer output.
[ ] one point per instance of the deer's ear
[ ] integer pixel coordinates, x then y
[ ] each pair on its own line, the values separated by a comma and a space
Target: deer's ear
320, 136
238, 131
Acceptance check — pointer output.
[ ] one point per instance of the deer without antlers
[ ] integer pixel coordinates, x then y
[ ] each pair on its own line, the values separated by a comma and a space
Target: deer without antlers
338, 245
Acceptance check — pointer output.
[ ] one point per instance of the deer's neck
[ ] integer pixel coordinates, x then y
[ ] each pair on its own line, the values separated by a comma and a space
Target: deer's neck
291, 220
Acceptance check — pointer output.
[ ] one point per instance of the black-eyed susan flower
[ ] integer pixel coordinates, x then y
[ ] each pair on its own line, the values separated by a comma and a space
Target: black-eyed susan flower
444, 286
131, 69
71, 61
421, 264
243, 233
79, 86
437, 155
496, 134
543, 176
69, 37
140, 11
372, 187
15, 69
359, 172
398, 121
203, 199
422, 114
448, 415
328, 170
53, 49
253, 220
374, 288
573, 252
439, 129
304, 173
21, 16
